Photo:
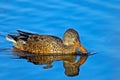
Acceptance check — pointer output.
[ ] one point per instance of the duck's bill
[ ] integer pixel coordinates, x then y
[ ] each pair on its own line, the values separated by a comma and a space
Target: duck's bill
80, 47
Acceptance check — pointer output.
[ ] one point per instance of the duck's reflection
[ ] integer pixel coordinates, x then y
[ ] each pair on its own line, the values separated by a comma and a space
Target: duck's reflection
71, 63
73, 68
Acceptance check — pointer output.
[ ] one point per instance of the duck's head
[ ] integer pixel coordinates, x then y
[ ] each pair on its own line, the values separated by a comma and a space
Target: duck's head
71, 37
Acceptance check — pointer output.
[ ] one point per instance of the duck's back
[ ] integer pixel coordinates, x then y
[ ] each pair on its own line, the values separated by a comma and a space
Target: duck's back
43, 44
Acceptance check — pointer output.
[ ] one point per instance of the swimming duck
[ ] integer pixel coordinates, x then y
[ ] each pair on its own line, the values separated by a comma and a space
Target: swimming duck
47, 44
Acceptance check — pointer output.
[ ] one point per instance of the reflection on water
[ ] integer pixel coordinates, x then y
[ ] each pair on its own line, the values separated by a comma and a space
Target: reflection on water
72, 67
70, 62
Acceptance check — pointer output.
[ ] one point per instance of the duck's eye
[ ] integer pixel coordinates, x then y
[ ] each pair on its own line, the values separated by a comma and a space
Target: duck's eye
69, 36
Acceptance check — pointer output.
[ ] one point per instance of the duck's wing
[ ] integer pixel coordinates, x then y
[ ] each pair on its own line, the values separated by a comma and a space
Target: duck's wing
25, 34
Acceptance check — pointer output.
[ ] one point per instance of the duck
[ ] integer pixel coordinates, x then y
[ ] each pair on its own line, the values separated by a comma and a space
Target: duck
47, 44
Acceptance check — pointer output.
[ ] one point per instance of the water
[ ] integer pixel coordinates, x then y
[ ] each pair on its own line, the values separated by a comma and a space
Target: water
97, 22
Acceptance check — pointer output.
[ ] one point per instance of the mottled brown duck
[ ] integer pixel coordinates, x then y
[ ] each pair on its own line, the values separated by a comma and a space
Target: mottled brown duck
47, 44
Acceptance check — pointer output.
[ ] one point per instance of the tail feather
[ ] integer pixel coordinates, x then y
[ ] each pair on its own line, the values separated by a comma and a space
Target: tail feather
22, 36
12, 38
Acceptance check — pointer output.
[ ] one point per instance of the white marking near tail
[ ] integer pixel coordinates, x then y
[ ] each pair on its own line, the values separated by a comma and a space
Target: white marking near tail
10, 39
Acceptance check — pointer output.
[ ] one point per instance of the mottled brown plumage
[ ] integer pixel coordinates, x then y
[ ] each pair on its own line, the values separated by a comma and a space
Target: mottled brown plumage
47, 44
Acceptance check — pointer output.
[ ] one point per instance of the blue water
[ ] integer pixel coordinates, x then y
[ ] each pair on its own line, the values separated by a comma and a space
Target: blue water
97, 21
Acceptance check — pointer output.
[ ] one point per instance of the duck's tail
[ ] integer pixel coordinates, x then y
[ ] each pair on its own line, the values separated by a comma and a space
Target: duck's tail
12, 38
22, 36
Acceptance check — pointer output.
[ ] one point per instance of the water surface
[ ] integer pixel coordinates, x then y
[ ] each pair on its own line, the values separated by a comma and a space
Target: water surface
97, 22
